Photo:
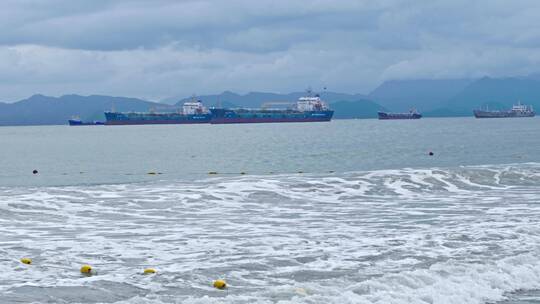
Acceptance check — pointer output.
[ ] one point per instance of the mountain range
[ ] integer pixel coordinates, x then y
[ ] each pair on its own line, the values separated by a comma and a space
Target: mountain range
46, 110
435, 98
495, 93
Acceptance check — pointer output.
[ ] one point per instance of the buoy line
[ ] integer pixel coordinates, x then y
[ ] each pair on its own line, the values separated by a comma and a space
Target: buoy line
88, 270
157, 173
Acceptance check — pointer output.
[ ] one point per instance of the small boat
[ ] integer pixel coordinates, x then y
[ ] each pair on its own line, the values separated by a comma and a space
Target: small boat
75, 121
413, 114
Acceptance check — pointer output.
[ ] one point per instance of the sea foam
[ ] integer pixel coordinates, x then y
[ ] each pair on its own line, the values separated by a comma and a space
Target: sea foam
460, 235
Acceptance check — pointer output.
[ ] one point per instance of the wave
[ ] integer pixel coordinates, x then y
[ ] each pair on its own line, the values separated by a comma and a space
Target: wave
438, 235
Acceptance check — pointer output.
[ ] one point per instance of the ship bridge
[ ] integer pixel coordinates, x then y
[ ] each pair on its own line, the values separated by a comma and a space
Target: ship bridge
194, 107
310, 103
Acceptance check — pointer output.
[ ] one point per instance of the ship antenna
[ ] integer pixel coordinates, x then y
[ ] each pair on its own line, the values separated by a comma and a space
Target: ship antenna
323, 91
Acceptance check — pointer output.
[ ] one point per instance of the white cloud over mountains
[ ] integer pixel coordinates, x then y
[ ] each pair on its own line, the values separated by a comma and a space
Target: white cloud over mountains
156, 49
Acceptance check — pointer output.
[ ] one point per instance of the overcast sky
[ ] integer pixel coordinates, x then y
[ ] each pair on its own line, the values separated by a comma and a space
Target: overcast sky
157, 49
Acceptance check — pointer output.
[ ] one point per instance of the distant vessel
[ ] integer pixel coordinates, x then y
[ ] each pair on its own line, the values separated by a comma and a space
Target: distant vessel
413, 114
307, 109
518, 110
193, 112
76, 121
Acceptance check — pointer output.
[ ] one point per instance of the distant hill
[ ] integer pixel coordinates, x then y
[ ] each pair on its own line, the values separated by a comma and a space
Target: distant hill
456, 97
363, 108
46, 110
496, 93
424, 95
256, 99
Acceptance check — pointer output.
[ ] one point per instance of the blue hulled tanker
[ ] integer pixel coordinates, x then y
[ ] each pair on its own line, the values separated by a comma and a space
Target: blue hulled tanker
306, 109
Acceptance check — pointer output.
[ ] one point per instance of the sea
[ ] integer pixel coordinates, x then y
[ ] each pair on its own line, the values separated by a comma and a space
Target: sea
349, 211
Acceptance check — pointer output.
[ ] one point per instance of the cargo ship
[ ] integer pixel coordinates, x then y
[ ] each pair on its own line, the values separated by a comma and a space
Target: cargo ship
413, 114
306, 109
75, 121
518, 110
192, 112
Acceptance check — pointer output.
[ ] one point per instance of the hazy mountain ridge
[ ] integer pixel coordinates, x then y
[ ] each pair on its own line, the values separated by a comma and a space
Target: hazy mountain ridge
421, 94
436, 98
496, 93
363, 108
45, 110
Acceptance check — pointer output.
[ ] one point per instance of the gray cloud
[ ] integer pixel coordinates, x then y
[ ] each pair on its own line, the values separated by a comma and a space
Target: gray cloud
155, 49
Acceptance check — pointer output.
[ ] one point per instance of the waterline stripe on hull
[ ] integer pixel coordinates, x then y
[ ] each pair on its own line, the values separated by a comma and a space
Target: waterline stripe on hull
265, 120
154, 122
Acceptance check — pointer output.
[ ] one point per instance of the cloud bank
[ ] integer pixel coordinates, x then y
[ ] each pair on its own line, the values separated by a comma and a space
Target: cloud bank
155, 49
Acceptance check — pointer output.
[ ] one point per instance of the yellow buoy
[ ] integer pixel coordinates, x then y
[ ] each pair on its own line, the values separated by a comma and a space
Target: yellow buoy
26, 261
301, 291
149, 271
220, 284
86, 269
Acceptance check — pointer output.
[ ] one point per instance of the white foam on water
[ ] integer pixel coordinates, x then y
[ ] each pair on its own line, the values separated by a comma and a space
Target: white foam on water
465, 235
454, 282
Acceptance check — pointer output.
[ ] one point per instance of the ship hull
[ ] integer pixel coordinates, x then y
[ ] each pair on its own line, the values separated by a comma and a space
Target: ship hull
392, 116
263, 120
153, 122
117, 119
229, 116
502, 114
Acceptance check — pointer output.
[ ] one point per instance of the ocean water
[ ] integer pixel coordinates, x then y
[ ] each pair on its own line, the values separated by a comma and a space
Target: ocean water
351, 211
